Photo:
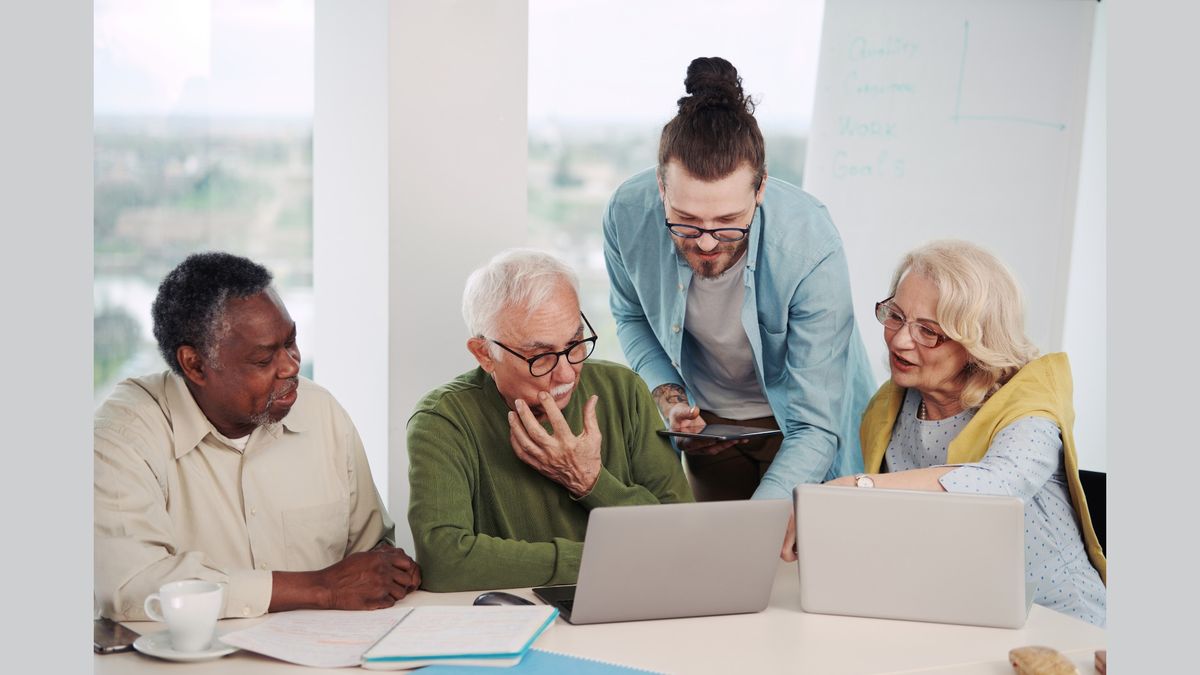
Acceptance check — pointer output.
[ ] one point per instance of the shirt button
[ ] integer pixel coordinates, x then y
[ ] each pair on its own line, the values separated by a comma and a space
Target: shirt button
263, 566
674, 365
245, 611
253, 512
680, 287
675, 328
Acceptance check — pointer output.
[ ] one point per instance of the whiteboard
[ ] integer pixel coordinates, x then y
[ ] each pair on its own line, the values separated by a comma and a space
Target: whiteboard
952, 118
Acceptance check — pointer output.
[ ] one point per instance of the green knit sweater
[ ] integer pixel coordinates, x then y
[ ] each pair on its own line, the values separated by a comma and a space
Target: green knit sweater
482, 518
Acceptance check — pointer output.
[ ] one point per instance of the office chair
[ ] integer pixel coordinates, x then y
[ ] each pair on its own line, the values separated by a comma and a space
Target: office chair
1093, 490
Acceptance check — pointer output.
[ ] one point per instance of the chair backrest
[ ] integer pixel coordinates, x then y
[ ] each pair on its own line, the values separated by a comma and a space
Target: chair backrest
1094, 490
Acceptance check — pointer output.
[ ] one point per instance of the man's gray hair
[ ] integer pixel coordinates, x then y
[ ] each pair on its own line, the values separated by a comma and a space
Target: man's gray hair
190, 306
518, 278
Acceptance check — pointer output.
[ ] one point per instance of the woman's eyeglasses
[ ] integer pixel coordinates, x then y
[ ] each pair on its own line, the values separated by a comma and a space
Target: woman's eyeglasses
924, 333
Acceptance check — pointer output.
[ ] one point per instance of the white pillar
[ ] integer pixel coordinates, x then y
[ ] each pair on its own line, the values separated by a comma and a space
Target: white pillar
458, 185
419, 177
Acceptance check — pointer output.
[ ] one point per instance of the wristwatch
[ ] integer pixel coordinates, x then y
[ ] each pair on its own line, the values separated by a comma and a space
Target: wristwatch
863, 480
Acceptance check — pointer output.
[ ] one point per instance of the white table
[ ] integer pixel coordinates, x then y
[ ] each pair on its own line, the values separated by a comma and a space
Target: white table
781, 639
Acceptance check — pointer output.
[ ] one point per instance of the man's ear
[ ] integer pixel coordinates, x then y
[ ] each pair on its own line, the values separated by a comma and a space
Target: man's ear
482, 352
192, 364
762, 189
662, 187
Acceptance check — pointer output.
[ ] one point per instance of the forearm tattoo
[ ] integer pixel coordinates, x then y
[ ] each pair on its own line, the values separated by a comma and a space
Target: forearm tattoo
667, 395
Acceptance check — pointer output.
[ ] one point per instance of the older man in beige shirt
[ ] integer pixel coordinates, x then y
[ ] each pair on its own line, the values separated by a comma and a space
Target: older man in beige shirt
230, 467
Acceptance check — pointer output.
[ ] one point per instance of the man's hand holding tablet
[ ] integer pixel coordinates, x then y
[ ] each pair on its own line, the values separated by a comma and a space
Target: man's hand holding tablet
685, 419
699, 438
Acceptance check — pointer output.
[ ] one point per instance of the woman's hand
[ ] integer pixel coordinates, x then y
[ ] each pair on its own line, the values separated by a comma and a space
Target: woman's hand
788, 552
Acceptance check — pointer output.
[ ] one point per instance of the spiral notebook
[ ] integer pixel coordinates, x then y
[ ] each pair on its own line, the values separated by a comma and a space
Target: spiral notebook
487, 636
538, 662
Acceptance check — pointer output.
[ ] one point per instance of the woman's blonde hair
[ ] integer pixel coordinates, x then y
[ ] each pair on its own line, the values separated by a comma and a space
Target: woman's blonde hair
980, 307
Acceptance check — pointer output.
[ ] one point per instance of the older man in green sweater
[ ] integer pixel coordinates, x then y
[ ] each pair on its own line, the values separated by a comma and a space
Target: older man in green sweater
507, 460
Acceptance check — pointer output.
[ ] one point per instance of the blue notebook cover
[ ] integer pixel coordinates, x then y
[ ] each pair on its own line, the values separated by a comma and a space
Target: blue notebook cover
539, 662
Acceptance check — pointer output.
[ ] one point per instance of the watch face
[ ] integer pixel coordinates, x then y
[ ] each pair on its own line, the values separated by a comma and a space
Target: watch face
864, 481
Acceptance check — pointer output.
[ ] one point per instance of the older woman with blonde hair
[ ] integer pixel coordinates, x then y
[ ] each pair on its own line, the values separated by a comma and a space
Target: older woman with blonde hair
971, 408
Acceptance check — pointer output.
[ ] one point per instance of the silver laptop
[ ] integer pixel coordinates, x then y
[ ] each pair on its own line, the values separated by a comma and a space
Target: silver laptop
666, 561
903, 554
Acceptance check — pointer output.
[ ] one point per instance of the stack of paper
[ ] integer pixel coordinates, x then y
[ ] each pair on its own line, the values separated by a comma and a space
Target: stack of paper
398, 637
318, 638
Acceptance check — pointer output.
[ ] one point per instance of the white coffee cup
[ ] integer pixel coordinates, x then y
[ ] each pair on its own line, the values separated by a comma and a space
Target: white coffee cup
190, 609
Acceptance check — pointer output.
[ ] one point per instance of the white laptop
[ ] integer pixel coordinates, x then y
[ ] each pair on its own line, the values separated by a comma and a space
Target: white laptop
905, 554
666, 561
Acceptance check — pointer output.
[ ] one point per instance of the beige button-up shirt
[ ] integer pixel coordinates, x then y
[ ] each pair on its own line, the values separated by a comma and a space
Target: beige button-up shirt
174, 499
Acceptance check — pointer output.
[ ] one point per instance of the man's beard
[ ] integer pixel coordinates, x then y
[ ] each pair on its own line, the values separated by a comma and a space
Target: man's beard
261, 419
710, 269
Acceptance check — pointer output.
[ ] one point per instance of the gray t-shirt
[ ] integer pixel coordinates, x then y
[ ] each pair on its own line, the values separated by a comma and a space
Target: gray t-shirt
727, 384
1025, 460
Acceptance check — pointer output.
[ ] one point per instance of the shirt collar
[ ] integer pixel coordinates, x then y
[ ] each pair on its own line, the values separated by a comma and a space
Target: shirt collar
296, 421
755, 237
190, 425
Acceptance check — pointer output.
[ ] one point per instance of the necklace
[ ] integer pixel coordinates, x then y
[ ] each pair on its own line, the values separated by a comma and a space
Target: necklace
921, 414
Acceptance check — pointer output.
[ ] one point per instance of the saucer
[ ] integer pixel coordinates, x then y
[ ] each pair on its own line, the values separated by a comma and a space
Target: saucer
159, 645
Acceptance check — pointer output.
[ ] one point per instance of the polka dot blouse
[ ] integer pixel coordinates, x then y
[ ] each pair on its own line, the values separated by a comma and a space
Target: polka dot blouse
1025, 460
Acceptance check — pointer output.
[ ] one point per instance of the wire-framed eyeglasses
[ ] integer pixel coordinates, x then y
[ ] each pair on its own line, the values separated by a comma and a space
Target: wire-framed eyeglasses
542, 364
923, 332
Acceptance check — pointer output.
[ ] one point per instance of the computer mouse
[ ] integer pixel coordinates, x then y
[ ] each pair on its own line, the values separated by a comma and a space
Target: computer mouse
500, 598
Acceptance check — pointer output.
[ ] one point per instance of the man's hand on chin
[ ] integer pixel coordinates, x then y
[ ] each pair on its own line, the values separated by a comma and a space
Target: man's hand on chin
569, 460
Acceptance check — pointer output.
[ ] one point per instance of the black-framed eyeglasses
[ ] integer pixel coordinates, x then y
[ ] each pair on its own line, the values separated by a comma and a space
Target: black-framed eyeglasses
542, 364
924, 333
725, 234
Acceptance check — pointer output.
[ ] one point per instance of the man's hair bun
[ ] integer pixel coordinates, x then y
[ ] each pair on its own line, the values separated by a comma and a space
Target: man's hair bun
713, 82
714, 131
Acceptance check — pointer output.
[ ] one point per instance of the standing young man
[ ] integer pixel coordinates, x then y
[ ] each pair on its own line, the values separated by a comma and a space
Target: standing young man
732, 300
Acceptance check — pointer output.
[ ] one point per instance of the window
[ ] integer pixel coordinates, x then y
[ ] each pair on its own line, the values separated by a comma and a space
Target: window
203, 141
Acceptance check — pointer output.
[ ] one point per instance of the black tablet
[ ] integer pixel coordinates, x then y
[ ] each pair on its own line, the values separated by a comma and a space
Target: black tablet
723, 432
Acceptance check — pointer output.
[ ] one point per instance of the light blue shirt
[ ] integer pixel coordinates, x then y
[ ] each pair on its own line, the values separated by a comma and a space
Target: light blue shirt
797, 314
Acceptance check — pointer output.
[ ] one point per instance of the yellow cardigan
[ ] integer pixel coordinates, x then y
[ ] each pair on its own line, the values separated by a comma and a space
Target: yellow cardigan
1041, 389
